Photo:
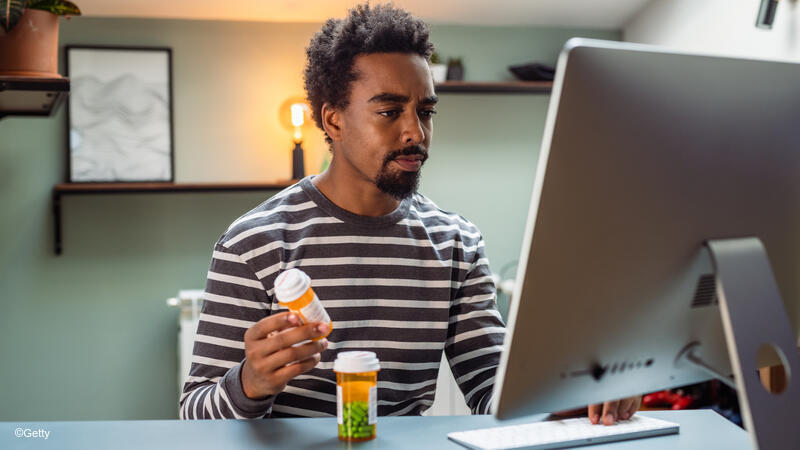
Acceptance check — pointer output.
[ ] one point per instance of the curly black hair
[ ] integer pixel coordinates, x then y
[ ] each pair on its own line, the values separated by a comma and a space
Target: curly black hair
366, 29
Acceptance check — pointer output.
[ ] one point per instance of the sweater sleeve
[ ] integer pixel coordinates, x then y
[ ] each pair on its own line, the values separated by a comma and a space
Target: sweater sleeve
234, 300
475, 333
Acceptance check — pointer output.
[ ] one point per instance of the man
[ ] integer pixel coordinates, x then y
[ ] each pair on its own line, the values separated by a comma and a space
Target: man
397, 275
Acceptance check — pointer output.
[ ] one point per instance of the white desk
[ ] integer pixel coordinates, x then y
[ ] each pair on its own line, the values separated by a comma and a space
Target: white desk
700, 429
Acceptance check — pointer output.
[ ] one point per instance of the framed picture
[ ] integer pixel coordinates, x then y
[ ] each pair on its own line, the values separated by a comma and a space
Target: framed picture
119, 114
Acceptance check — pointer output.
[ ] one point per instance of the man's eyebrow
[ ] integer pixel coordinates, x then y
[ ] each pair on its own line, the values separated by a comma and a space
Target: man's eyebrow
388, 97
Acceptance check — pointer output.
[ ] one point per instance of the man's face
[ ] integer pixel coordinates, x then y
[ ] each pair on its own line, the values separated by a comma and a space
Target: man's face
387, 125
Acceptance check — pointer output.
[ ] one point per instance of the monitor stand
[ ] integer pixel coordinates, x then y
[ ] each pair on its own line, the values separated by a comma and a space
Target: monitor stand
753, 314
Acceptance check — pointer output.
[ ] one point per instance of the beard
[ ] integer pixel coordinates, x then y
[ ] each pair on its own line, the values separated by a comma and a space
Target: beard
400, 184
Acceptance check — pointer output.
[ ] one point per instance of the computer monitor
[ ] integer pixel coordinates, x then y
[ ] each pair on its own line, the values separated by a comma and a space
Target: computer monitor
648, 158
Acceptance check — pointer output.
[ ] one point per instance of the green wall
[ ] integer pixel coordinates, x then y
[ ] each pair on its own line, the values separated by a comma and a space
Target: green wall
488, 51
87, 335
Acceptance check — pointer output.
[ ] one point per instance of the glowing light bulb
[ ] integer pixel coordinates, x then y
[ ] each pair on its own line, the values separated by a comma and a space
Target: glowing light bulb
297, 114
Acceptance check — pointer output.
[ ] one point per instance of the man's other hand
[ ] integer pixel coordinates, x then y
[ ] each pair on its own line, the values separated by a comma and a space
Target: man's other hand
272, 357
610, 412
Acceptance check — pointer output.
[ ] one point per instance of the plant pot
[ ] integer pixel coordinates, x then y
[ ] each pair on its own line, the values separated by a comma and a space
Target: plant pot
30, 49
438, 73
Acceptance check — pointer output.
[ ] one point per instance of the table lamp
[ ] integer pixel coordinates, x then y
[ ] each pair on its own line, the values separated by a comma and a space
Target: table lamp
293, 114
298, 170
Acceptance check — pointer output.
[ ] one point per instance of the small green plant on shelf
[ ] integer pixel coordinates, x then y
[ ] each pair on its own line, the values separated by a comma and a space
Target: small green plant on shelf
11, 10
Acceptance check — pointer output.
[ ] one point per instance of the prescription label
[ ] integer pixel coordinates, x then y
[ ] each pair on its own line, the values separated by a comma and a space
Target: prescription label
314, 312
339, 415
372, 407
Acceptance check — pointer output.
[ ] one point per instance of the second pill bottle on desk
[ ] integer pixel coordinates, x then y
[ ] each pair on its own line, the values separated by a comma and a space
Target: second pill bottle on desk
356, 395
293, 290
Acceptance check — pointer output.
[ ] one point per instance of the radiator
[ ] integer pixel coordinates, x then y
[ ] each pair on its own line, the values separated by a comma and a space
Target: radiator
189, 301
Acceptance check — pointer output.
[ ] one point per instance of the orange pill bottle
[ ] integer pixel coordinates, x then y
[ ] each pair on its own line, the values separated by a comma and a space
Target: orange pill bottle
357, 395
293, 290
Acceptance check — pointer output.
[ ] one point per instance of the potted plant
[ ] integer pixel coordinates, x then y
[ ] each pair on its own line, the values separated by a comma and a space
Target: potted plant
29, 36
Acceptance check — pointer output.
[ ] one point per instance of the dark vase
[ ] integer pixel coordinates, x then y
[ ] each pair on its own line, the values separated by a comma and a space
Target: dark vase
455, 70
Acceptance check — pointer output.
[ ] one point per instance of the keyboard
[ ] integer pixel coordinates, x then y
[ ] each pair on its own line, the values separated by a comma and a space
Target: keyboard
562, 433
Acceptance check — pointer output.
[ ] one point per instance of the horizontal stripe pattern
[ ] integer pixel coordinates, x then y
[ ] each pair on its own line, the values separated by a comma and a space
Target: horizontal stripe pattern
407, 286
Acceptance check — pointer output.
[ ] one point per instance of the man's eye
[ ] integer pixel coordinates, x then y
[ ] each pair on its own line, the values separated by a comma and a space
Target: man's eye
427, 113
390, 113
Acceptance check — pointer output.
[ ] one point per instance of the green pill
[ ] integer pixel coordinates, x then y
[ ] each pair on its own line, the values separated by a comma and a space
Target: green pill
355, 418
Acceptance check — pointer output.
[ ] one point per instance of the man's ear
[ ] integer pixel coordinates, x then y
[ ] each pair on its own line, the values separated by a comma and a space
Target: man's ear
331, 122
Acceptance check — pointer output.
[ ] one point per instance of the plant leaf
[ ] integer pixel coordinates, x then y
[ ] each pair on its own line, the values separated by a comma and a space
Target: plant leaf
71, 8
10, 13
57, 7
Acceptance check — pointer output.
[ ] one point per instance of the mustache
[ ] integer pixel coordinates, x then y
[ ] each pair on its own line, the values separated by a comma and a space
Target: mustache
407, 151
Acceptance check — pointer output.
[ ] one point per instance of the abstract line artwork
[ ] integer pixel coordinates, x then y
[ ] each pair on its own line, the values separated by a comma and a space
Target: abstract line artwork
120, 114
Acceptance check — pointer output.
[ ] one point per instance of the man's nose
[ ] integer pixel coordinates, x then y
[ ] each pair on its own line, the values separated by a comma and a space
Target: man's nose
412, 133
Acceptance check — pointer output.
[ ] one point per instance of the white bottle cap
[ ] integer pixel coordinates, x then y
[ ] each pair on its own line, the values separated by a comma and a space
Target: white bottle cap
291, 284
356, 362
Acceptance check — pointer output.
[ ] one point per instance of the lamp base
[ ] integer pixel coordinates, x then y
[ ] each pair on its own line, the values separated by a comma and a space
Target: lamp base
298, 163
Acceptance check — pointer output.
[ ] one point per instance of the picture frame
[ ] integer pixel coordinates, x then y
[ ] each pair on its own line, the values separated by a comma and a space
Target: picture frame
119, 114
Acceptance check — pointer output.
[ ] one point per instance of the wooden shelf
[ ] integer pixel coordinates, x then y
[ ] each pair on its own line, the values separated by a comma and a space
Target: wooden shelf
499, 87
26, 96
117, 188
131, 188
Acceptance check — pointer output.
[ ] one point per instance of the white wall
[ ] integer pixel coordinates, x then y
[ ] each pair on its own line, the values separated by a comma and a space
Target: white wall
724, 27
720, 27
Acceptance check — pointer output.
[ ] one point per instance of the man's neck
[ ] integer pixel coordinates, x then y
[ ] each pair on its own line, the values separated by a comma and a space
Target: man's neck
354, 194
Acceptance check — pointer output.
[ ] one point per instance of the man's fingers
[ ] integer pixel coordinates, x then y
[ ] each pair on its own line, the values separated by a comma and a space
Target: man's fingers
594, 413
290, 355
297, 368
279, 349
625, 408
610, 412
274, 382
286, 339
637, 404
631, 405
271, 323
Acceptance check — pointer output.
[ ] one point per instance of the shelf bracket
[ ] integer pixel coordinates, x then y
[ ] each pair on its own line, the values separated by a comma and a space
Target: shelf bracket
57, 243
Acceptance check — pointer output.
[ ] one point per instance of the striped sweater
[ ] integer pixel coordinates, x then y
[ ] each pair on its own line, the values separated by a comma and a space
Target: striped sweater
407, 285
